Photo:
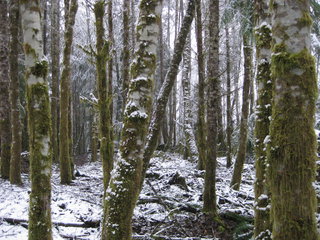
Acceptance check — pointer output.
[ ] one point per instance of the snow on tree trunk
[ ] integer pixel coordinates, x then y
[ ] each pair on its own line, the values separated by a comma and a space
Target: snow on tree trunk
65, 161
190, 141
39, 120
15, 162
5, 129
262, 228
292, 147
241, 154
162, 99
209, 193
123, 190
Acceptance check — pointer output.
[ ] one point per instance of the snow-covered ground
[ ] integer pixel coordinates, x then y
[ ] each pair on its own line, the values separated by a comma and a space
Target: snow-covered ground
169, 205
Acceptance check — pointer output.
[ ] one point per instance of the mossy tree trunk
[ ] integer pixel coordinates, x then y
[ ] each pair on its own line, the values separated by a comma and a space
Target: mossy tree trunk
15, 162
122, 193
65, 161
201, 130
39, 120
167, 86
292, 146
262, 222
5, 128
55, 74
241, 154
209, 193
102, 48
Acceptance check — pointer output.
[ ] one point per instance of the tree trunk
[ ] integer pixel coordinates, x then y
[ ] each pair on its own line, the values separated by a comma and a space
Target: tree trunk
65, 164
103, 101
128, 169
15, 162
39, 120
209, 193
55, 72
201, 131
292, 148
241, 155
162, 99
125, 51
190, 141
5, 128
229, 110
262, 221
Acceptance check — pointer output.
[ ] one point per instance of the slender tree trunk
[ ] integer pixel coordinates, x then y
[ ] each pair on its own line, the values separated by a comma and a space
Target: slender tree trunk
5, 128
191, 146
241, 155
125, 51
65, 164
209, 194
128, 169
55, 72
39, 120
229, 110
162, 99
292, 150
103, 102
110, 85
15, 162
262, 221
94, 139
201, 135
44, 14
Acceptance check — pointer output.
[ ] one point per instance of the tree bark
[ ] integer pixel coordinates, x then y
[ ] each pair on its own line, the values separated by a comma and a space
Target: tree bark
16, 145
55, 73
201, 131
209, 193
292, 149
102, 55
122, 193
39, 120
241, 154
262, 221
125, 51
65, 161
5, 128
229, 110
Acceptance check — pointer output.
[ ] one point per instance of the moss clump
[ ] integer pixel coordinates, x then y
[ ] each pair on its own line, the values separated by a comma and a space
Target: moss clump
40, 69
305, 20
263, 37
29, 50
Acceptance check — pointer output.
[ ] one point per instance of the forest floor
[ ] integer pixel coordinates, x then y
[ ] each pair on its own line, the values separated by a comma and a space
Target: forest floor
169, 205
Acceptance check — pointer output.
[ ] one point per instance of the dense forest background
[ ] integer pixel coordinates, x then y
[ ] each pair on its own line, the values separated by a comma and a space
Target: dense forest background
127, 89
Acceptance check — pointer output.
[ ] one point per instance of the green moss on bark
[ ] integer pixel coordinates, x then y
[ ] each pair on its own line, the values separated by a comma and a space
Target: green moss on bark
293, 145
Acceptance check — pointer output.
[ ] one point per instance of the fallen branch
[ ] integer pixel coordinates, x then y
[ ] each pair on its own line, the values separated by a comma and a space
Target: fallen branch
85, 224
155, 237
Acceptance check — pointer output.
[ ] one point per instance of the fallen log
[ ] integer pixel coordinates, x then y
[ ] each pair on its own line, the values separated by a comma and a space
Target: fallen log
85, 224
